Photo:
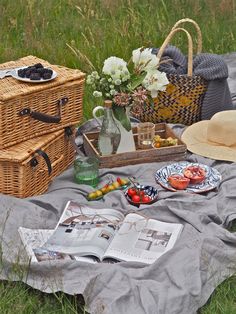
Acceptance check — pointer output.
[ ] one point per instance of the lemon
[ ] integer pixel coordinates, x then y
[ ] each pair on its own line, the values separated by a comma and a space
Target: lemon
92, 195
124, 181
104, 190
98, 193
116, 184
111, 188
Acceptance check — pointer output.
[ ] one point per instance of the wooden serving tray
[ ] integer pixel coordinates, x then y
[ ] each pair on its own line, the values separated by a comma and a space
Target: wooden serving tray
177, 152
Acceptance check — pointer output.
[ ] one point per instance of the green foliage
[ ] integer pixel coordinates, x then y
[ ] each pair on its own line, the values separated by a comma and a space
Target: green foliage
120, 114
82, 34
17, 297
223, 299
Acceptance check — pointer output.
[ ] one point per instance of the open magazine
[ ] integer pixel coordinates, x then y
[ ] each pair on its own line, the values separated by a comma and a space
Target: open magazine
106, 234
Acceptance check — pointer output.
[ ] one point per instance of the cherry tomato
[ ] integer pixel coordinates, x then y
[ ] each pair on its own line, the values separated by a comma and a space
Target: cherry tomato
131, 192
141, 193
178, 181
146, 199
196, 174
119, 180
136, 198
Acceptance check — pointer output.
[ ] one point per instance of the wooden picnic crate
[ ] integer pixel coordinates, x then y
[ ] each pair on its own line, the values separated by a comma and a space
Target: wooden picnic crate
175, 153
28, 110
26, 169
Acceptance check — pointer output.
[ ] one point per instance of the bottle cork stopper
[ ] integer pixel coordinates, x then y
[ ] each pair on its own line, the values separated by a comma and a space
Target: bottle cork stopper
108, 103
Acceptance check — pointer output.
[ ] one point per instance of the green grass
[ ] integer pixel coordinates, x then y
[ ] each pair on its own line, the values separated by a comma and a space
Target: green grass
17, 297
82, 33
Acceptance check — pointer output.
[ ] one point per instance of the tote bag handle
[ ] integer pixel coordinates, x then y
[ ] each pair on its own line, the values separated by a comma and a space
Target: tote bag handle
190, 47
198, 30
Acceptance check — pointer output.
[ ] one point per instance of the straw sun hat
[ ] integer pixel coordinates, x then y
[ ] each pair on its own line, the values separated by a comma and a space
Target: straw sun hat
214, 138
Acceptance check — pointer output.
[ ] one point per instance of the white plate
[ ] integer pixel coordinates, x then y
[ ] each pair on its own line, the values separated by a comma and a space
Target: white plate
212, 180
14, 74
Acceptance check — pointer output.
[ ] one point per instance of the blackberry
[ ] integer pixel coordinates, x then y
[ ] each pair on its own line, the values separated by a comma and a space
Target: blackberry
21, 73
27, 72
31, 67
46, 70
38, 66
35, 72
40, 71
46, 75
35, 76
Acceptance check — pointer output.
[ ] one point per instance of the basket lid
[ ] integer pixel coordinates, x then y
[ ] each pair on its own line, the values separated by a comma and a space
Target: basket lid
11, 87
22, 151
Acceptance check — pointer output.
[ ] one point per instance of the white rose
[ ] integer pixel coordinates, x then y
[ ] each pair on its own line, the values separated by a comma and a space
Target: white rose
144, 59
89, 80
114, 67
117, 82
155, 81
97, 94
112, 92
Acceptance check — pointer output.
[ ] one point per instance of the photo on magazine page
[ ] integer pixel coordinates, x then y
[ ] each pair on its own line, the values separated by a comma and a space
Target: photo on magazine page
141, 239
84, 231
33, 241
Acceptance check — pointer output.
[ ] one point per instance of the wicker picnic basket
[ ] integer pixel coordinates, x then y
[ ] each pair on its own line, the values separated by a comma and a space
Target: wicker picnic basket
26, 169
28, 110
183, 98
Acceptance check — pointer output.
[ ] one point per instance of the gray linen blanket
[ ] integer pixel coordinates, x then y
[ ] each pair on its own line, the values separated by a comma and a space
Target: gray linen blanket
180, 281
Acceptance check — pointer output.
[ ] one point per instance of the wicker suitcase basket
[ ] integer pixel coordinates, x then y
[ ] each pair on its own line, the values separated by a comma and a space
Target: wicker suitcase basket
28, 110
27, 168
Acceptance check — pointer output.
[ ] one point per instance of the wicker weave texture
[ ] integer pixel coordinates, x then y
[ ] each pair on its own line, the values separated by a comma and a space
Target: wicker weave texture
16, 96
21, 179
180, 103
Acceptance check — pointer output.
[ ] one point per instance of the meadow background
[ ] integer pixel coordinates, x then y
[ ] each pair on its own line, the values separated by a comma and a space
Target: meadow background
81, 34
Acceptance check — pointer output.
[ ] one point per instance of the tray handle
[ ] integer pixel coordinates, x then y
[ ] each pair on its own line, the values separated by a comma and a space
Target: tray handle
43, 117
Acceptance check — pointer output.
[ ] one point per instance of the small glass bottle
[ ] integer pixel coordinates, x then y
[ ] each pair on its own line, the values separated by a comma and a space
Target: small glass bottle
109, 136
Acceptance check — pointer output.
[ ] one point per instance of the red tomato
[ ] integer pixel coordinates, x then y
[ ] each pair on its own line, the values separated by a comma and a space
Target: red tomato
141, 193
196, 174
146, 199
136, 198
178, 181
119, 180
131, 192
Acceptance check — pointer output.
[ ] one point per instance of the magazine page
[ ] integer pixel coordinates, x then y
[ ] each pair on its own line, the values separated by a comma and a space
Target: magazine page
84, 231
33, 240
142, 240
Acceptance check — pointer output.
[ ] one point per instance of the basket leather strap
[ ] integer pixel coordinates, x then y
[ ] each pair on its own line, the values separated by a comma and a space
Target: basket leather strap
43, 117
34, 161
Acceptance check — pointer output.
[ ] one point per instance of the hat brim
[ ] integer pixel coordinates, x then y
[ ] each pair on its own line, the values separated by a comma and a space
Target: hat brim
195, 137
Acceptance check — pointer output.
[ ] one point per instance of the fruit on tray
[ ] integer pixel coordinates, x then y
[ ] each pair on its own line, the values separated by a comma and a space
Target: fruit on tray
164, 142
119, 184
195, 174
138, 196
178, 181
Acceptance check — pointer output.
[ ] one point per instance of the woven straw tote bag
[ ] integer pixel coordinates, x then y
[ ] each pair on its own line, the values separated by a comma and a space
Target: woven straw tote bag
182, 100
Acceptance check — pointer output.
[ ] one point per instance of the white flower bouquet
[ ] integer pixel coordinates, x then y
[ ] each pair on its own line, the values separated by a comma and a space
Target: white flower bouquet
128, 88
